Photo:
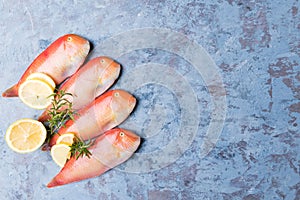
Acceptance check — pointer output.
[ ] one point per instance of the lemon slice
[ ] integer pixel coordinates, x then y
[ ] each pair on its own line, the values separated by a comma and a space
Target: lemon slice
43, 77
67, 139
60, 153
25, 135
35, 93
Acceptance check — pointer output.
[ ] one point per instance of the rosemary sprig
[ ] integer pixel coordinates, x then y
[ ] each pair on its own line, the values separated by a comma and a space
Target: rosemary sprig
61, 111
79, 148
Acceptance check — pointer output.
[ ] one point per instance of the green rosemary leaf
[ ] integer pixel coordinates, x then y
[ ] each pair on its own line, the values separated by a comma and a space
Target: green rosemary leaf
62, 110
80, 148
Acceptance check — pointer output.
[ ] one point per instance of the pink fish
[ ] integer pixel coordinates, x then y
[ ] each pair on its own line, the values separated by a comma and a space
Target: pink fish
90, 81
104, 113
109, 150
59, 61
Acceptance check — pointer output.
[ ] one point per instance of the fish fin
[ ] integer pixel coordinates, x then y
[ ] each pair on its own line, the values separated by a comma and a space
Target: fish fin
46, 147
54, 138
44, 117
11, 92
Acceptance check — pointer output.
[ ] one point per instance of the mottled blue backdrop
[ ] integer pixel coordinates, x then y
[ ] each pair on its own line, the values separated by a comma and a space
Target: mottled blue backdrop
256, 48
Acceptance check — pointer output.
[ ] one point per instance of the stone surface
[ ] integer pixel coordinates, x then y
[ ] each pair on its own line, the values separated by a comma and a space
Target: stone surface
255, 46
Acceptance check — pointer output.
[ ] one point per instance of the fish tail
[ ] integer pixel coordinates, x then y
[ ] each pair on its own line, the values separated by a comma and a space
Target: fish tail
54, 182
11, 92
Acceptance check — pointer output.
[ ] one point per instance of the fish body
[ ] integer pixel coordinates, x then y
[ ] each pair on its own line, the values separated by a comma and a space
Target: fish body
104, 113
109, 150
59, 61
90, 81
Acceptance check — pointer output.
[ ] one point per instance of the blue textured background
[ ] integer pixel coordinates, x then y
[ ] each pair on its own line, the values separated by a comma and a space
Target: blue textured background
256, 46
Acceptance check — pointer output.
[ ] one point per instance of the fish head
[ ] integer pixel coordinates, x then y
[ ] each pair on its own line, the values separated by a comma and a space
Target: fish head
123, 140
122, 104
111, 69
75, 45
115, 147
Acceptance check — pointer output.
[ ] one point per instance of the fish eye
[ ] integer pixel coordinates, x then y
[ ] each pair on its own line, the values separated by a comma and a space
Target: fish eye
69, 39
102, 61
122, 134
117, 94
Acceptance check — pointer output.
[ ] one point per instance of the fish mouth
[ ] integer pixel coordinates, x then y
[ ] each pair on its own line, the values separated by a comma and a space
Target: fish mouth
132, 103
83, 50
86, 46
116, 68
133, 147
132, 142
